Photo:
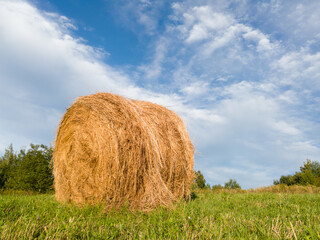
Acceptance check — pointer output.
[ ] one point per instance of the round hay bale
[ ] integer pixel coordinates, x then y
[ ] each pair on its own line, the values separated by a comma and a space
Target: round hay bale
116, 151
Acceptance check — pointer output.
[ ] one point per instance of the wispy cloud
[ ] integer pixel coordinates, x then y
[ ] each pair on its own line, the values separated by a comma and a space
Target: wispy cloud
139, 13
300, 69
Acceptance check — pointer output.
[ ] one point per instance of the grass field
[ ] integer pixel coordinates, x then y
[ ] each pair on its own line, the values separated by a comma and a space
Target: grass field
210, 215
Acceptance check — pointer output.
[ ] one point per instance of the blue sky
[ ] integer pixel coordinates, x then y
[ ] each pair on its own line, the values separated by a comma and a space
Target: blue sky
244, 75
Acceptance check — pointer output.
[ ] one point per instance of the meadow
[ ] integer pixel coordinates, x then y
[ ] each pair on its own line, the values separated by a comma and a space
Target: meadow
210, 215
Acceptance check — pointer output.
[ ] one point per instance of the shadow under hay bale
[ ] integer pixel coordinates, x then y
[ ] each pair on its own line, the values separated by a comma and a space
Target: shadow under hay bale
116, 151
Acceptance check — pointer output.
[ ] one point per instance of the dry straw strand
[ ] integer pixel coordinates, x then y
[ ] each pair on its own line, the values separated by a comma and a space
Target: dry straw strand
118, 151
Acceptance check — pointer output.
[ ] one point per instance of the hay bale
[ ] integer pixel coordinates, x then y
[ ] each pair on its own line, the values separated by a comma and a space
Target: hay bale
117, 151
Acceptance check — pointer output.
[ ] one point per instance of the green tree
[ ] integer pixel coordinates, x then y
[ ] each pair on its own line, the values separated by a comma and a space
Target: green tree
232, 183
288, 180
306, 166
32, 170
307, 178
6, 162
315, 168
199, 180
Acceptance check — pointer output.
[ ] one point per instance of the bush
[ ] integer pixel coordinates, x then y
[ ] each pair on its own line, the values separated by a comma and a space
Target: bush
217, 187
232, 184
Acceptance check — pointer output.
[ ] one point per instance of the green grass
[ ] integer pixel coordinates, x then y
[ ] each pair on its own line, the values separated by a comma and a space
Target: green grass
209, 216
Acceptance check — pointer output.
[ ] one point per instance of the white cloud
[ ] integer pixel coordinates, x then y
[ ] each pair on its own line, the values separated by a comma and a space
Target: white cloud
300, 69
218, 29
197, 33
201, 21
262, 40
285, 128
220, 41
196, 89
